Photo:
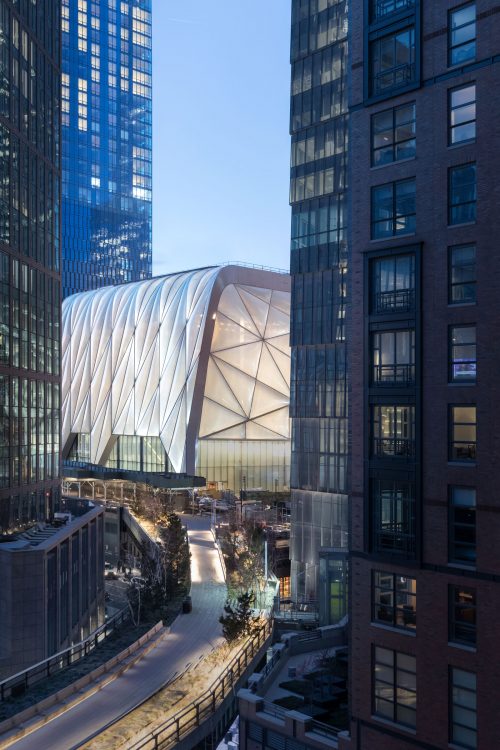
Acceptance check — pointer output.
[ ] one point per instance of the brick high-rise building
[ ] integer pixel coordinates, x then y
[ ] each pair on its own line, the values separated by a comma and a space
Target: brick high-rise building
424, 363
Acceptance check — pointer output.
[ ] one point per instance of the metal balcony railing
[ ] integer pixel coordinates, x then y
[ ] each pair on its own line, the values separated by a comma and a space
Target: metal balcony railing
393, 78
398, 300
403, 447
383, 8
390, 375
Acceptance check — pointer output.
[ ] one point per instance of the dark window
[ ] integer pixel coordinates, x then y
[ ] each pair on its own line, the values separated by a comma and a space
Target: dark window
395, 686
394, 600
462, 615
393, 284
462, 274
462, 34
393, 431
393, 135
392, 61
462, 525
393, 517
462, 194
463, 433
463, 708
462, 354
393, 209
393, 358
462, 109
380, 9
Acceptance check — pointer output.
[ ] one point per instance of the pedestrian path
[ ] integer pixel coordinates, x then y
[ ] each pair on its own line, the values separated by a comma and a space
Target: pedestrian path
192, 636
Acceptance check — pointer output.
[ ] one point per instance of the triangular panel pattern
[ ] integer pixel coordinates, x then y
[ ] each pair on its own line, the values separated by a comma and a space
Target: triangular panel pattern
131, 353
254, 362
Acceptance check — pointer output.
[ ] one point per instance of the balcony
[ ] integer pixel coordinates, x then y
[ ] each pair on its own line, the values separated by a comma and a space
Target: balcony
393, 78
381, 9
395, 301
393, 447
393, 375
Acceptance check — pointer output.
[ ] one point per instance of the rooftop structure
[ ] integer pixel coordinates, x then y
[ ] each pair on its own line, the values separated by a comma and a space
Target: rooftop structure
182, 373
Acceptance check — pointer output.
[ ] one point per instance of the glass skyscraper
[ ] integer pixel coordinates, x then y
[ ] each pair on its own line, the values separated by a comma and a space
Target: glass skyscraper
30, 282
106, 137
320, 295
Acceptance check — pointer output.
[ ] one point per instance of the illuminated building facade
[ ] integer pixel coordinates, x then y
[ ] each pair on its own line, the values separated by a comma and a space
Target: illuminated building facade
30, 282
106, 137
185, 373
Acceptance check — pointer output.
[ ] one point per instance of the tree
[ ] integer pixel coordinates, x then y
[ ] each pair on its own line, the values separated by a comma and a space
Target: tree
239, 619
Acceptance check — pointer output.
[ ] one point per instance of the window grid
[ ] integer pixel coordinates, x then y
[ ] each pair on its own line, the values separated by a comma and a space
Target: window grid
392, 61
462, 194
394, 686
462, 618
393, 135
393, 431
462, 114
462, 274
463, 433
463, 708
393, 284
463, 358
393, 517
393, 358
393, 209
462, 525
462, 34
394, 600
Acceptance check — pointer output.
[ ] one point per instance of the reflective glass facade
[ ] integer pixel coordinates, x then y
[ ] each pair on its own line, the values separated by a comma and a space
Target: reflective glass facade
319, 267
106, 137
29, 261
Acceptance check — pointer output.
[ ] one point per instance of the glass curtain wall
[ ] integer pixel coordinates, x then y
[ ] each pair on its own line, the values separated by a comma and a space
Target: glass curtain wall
30, 282
106, 137
319, 267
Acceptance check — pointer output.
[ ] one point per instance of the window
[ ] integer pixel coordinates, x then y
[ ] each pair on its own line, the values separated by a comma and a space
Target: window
462, 34
392, 61
462, 615
395, 686
393, 358
393, 135
394, 600
463, 708
462, 525
393, 284
382, 8
393, 209
393, 429
393, 517
463, 433
462, 109
462, 194
462, 275
462, 354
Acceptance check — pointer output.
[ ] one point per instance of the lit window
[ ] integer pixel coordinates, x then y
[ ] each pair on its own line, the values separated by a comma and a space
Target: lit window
463, 433
463, 354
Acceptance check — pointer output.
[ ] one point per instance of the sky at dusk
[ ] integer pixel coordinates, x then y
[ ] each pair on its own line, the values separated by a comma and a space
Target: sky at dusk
221, 148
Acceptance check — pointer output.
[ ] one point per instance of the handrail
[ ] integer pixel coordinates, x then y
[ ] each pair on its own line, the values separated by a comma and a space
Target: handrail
21, 681
176, 727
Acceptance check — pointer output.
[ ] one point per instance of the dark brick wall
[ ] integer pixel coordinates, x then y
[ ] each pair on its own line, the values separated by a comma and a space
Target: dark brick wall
434, 157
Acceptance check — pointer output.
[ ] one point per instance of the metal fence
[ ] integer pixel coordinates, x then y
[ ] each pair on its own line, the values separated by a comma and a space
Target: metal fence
204, 707
19, 683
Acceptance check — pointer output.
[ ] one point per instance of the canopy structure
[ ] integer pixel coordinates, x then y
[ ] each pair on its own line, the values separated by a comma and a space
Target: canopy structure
154, 368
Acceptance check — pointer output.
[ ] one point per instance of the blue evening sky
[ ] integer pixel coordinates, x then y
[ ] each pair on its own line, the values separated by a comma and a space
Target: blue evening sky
221, 146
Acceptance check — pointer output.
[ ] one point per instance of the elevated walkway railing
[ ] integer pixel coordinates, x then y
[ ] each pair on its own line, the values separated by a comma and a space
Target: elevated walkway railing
204, 707
19, 683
